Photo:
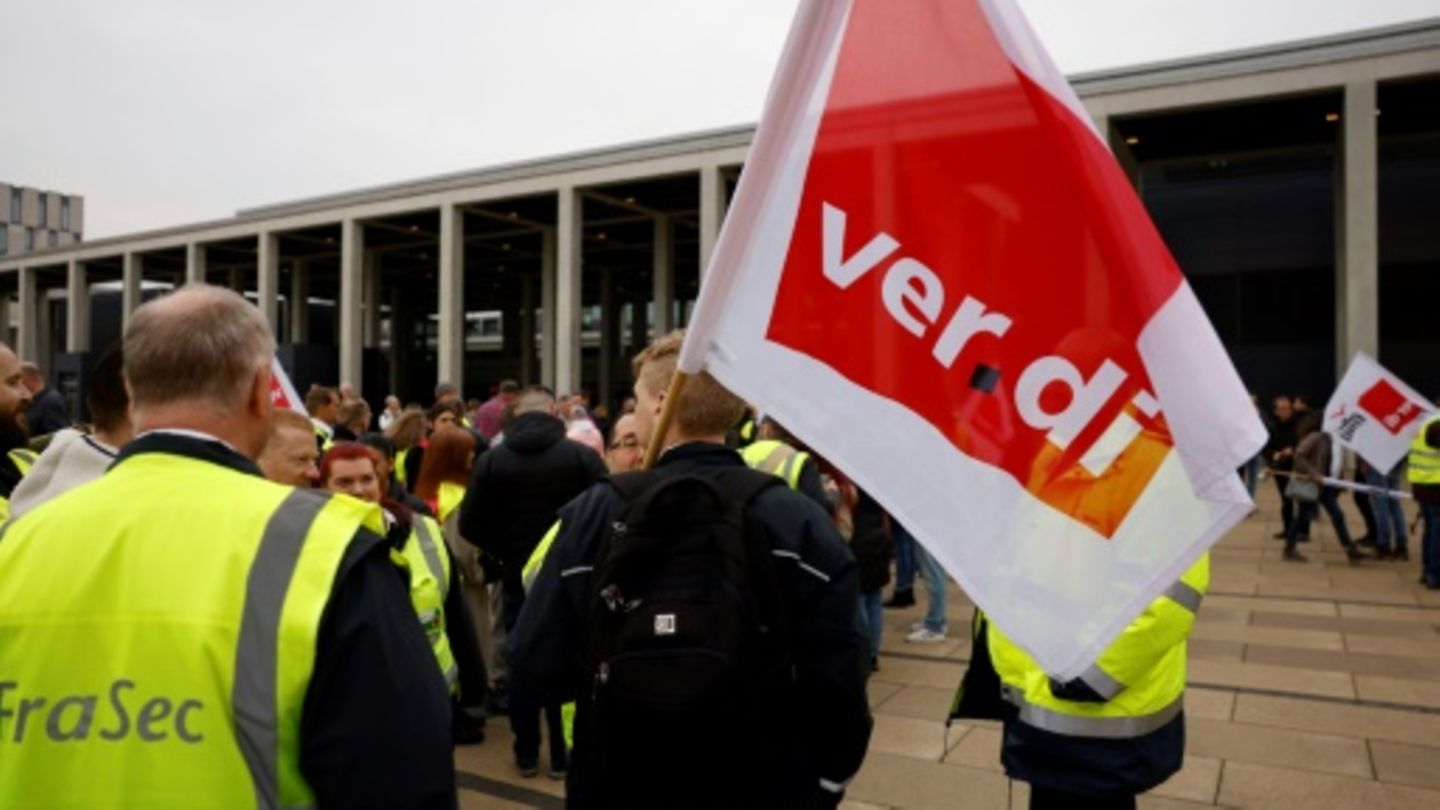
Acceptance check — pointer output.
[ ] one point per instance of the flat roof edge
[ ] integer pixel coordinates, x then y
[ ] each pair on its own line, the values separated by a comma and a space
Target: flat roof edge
651, 148
1348, 46
1373, 42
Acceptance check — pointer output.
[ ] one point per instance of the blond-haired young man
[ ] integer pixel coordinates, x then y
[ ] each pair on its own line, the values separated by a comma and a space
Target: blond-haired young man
803, 738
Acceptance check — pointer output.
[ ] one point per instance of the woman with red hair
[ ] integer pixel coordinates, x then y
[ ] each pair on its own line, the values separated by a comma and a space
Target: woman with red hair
353, 469
445, 471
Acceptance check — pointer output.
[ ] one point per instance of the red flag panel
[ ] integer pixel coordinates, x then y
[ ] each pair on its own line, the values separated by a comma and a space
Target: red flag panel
967, 247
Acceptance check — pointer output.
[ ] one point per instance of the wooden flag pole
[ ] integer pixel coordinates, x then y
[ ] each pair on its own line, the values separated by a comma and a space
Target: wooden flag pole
667, 414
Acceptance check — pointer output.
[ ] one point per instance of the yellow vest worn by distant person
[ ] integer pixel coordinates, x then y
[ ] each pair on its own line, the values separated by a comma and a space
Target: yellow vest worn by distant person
776, 458
400, 474
1141, 675
449, 499
1424, 461
428, 560
158, 630
23, 459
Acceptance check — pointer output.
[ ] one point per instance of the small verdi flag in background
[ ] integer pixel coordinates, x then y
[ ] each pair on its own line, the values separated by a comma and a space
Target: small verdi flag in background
1375, 413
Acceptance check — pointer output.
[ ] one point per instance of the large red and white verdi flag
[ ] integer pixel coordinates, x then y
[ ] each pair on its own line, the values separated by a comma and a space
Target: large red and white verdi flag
1375, 413
935, 273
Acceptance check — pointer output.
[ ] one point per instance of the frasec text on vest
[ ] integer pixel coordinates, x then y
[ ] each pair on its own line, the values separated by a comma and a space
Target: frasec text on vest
72, 718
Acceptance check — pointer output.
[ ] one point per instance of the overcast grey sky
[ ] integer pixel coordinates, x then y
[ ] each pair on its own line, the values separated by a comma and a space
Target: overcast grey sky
172, 111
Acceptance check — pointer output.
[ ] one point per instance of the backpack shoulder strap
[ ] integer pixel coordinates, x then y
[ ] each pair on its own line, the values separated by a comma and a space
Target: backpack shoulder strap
745, 484
631, 485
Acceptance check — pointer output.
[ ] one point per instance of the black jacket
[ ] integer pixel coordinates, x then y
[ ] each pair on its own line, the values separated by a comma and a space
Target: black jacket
825, 736
375, 728
517, 488
1282, 435
871, 542
47, 413
400, 495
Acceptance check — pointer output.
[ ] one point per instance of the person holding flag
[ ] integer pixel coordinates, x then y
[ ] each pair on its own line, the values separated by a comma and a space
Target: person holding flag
1379, 417
932, 235
659, 725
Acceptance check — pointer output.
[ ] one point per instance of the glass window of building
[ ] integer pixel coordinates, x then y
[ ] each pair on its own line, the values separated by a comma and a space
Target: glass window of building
1244, 196
44, 203
29, 238
52, 239
15, 204
64, 213
4, 240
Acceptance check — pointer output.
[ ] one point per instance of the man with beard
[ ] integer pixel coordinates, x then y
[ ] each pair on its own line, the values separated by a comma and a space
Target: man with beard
14, 433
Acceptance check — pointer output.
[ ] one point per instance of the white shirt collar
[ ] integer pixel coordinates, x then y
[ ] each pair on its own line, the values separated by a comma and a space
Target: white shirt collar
190, 434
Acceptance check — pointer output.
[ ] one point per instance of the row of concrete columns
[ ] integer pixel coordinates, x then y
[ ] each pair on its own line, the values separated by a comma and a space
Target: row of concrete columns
358, 301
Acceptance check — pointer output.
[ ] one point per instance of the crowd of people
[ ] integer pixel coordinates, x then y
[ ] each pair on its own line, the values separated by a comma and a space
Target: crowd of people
314, 609
1302, 460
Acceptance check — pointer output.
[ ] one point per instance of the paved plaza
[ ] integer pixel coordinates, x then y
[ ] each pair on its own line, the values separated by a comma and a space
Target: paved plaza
1312, 686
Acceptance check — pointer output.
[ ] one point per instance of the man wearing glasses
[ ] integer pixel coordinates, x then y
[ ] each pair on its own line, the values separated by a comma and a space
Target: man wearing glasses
626, 450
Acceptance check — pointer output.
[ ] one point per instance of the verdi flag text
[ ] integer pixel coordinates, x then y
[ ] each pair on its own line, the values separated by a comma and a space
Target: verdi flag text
936, 275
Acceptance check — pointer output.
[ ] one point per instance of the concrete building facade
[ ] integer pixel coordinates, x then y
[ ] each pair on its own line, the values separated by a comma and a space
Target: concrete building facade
38, 220
1293, 182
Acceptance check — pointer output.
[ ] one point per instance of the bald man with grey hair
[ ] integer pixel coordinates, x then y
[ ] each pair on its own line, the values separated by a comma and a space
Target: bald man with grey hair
199, 360
269, 621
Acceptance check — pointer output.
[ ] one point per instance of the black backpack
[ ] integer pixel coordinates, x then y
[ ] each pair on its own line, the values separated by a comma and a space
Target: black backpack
686, 640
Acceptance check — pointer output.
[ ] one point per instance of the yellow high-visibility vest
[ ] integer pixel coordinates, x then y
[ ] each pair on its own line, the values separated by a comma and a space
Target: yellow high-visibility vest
776, 458
449, 499
144, 670
1424, 461
1141, 675
428, 560
400, 474
23, 459
325, 438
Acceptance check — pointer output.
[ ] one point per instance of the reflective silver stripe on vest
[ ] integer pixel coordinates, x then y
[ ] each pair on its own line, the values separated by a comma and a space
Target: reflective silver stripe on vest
257, 663
1100, 680
776, 460
432, 557
1112, 728
1186, 596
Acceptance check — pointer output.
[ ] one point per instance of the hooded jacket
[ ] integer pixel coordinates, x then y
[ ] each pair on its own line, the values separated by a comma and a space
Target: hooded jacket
71, 459
518, 487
